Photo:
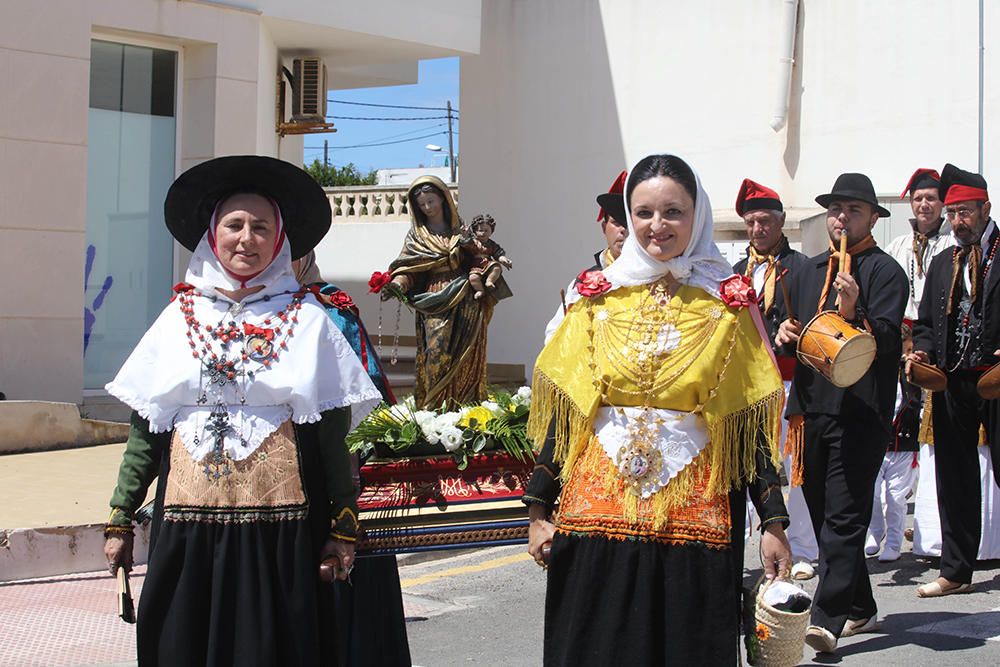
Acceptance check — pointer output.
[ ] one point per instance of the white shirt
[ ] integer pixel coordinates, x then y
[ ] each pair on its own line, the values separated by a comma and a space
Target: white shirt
901, 249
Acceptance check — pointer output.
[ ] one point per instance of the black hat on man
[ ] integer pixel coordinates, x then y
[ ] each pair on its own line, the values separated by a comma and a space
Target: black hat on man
193, 197
856, 187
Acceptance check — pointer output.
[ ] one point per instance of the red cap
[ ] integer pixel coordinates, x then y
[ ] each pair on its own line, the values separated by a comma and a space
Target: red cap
756, 197
922, 178
617, 188
960, 185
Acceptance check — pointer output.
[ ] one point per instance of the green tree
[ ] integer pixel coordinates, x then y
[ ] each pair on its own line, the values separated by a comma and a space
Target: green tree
330, 175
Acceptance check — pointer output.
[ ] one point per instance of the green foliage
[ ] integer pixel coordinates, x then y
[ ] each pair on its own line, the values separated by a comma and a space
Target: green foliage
500, 423
331, 176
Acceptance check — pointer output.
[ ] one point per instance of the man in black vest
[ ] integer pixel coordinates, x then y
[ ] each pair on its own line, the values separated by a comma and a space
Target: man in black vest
768, 255
839, 434
958, 330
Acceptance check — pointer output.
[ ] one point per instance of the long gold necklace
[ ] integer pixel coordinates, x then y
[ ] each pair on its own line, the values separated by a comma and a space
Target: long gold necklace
649, 349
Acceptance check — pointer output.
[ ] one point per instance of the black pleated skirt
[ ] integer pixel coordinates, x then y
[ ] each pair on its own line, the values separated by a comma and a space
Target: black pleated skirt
235, 594
631, 602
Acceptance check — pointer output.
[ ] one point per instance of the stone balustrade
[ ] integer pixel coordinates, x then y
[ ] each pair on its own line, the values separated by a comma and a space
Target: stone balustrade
372, 203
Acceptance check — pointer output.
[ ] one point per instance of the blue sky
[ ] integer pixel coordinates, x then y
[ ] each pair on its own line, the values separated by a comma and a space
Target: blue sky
437, 83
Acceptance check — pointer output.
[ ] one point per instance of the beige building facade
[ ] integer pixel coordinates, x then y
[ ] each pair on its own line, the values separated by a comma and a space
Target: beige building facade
566, 93
105, 101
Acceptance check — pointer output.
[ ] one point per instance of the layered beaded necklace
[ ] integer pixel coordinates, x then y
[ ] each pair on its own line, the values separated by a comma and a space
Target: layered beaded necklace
224, 362
645, 348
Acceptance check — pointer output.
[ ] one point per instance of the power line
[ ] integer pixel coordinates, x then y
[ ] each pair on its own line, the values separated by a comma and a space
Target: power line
391, 106
392, 136
382, 118
387, 143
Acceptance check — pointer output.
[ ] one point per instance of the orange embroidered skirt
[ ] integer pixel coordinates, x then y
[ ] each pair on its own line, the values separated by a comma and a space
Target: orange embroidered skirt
636, 591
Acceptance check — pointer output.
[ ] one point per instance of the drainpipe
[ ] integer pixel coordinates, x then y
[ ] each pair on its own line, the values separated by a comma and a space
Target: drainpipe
786, 37
982, 49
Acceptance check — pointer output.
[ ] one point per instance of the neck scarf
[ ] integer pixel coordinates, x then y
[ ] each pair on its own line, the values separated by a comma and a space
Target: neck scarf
973, 253
866, 243
318, 371
279, 242
920, 242
700, 265
755, 259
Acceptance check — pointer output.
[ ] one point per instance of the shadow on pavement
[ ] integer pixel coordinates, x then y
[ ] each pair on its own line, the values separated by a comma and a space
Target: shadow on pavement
898, 630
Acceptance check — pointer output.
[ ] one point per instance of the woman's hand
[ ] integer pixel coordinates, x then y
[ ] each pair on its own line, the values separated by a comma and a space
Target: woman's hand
788, 332
776, 551
540, 532
118, 551
336, 560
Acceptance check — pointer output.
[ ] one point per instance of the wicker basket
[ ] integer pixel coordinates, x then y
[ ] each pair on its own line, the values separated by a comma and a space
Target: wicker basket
780, 635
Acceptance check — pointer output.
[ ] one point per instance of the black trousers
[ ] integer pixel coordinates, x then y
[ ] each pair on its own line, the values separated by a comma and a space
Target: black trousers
841, 460
958, 411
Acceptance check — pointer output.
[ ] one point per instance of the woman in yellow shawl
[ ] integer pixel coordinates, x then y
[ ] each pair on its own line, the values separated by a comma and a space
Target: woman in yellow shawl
451, 324
657, 404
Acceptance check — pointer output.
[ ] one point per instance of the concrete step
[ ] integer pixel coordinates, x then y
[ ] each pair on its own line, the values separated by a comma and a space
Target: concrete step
54, 509
33, 426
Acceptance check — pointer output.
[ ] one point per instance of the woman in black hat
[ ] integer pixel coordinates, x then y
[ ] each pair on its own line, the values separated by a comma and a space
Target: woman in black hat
242, 392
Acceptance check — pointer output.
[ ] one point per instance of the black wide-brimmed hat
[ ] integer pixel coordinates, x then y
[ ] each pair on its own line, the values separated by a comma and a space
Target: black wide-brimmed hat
191, 200
853, 186
613, 204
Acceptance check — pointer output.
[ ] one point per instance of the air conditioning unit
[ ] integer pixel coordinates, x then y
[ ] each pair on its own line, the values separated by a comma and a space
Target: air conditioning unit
309, 95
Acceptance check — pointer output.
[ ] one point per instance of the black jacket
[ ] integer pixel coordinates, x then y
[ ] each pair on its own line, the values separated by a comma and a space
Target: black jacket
884, 290
930, 331
791, 260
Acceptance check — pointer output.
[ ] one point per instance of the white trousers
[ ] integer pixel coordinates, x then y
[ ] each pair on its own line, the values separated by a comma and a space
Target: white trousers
894, 482
927, 520
801, 537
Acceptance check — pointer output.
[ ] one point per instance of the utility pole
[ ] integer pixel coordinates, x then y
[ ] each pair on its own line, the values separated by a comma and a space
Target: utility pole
326, 153
451, 145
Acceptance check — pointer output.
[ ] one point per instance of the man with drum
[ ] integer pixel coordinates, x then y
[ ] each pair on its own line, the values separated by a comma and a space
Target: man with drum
837, 432
770, 260
958, 330
914, 252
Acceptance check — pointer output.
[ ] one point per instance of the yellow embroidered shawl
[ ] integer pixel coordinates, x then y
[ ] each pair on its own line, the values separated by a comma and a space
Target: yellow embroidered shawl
723, 370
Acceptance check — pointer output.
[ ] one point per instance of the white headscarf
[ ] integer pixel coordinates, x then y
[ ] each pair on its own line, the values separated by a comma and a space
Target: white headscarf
319, 371
700, 265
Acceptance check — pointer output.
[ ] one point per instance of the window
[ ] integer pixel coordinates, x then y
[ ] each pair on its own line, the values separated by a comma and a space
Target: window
130, 165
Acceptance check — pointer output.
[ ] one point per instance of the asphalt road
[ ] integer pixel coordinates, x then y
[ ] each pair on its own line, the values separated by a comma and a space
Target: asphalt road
486, 608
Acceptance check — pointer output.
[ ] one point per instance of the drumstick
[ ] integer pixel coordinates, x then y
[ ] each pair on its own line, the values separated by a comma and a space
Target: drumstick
784, 289
562, 299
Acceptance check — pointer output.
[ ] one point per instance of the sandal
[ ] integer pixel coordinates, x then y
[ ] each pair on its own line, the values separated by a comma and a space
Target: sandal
861, 626
935, 590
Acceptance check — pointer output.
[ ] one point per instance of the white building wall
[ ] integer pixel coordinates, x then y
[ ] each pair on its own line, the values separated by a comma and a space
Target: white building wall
563, 92
228, 57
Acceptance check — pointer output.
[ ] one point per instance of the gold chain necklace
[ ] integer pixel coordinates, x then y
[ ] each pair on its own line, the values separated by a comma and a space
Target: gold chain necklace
639, 345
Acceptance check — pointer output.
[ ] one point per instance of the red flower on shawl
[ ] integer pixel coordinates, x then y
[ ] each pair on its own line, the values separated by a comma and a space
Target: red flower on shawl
592, 283
737, 290
341, 300
251, 330
378, 281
